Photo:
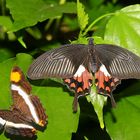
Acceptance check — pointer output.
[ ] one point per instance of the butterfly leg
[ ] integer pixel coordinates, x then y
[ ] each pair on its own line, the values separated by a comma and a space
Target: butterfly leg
75, 103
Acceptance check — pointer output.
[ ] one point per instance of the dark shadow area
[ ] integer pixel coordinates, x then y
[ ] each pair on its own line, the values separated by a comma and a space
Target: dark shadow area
51, 83
89, 126
45, 83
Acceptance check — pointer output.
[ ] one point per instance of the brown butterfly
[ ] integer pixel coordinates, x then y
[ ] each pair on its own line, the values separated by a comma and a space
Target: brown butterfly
26, 115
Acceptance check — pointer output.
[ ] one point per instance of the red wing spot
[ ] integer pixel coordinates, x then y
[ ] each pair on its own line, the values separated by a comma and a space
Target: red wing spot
106, 78
79, 79
101, 80
86, 76
67, 81
112, 84
107, 89
79, 90
72, 85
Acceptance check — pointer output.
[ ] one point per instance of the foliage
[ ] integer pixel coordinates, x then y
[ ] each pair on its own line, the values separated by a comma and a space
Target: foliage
39, 25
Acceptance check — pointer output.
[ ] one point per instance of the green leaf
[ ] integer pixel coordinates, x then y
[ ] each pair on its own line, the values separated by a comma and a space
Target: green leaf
122, 123
6, 22
27, 13
98, 102
5, 53
124, 28
82, 16
58, 104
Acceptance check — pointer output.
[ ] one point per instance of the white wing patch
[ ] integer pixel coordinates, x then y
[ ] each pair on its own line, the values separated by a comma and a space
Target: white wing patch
2, 121
18, 125
80, 70
104, 70
27, 100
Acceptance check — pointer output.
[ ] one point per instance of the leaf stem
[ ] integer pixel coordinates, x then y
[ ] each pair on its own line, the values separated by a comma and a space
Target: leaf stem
95, 21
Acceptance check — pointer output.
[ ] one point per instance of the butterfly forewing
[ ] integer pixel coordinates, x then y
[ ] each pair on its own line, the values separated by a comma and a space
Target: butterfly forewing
119, 62
62, 62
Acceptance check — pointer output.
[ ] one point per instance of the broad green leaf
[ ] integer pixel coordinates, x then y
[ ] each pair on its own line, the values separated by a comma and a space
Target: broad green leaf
82, 16
124, 28
58, 104
5, 53
6, 22
123, 122
27, 13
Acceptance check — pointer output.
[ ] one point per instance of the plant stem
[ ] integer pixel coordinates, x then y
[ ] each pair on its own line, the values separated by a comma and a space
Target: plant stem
95, 21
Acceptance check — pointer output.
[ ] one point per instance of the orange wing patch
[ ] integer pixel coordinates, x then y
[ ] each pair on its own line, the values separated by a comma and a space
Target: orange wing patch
106, 84
15, 76
80, 84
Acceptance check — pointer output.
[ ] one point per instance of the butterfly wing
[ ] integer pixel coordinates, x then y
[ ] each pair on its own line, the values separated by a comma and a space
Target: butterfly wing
115, 63
119, 62
105, 83
62, 62
43, 118
28, 104
20, 90
15, 123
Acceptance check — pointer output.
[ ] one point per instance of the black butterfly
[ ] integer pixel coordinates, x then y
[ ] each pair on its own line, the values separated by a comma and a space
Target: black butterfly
79, 64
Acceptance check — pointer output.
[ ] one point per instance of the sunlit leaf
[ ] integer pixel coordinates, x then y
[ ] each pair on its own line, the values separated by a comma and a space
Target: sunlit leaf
27, 13
98, 102
6, 22
124, 28
82, 15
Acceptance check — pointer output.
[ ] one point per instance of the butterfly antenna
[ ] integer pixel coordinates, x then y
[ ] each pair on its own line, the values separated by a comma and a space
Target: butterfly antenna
91, 41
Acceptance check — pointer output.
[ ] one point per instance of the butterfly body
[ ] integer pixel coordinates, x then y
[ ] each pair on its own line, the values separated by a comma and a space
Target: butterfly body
26, 115
75, 63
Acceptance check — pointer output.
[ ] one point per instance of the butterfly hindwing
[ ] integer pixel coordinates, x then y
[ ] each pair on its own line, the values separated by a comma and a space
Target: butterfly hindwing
16, 123
105, 83
80, 83
40, 111
62, 62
